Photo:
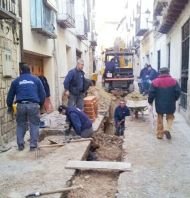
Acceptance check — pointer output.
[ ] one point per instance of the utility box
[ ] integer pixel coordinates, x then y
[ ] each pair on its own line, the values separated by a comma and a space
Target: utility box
7, 63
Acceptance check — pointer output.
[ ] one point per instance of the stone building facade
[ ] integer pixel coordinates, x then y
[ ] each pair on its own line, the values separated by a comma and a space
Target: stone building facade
9, 59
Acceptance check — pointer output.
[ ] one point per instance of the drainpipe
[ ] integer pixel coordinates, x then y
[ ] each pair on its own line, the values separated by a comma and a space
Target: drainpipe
20, 31
57, 102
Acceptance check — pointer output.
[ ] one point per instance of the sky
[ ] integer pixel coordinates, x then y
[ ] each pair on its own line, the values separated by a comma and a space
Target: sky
108, 14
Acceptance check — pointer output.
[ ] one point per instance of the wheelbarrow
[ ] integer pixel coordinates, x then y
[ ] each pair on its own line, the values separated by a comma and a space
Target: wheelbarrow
137, 106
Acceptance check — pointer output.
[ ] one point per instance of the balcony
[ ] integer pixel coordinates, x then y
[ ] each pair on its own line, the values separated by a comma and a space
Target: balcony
82, 27
65, 15
8, 9
159, 5
93, 39
42, 18
170, 15
141, 28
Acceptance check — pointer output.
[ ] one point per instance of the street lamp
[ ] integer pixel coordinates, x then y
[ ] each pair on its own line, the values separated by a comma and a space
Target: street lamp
147, 16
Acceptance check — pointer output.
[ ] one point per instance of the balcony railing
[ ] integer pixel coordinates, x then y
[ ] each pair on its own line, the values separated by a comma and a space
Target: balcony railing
8, 9
42, 19
65, 15
82, 27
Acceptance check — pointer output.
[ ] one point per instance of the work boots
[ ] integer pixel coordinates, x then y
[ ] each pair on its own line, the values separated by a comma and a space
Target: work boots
168, 135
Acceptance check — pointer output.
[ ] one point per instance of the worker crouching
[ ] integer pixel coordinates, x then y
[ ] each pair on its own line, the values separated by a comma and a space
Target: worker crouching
78, 120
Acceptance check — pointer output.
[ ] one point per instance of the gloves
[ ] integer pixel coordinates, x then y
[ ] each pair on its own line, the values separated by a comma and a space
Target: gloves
10, 110
67, 132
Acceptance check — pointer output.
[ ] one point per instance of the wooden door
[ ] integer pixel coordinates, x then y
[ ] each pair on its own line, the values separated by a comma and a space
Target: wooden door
35, 63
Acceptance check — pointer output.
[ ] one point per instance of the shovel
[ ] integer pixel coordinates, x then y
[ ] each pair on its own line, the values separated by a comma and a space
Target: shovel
38, 194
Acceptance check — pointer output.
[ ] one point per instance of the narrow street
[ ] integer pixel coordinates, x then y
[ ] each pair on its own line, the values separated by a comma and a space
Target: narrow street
160, 167
78, 79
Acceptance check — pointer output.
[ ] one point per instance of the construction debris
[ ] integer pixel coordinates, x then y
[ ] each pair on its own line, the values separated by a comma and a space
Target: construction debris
110, 147
103, 98
135, 96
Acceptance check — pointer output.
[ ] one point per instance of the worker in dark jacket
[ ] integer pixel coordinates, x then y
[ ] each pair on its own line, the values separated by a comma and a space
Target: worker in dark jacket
120, 113
152, 73
143, 79
74, 86
165, 91
30, 95
78, 120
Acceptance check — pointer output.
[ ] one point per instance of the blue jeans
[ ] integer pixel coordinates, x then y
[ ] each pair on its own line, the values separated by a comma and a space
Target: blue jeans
28, 115
146, 86
76, 101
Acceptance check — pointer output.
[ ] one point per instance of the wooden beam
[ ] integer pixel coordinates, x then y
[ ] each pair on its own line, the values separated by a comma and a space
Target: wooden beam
98, 165
179, 3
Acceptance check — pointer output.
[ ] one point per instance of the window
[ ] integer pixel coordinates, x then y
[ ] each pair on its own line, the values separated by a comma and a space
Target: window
185, 63
42, 18
158, 59
78, 54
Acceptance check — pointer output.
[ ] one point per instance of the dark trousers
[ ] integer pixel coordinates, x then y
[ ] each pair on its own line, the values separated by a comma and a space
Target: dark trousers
120, 128
76, 101
87, 133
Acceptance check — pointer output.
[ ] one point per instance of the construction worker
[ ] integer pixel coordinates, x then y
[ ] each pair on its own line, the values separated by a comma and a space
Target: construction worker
30, 95
74, 85
121, 111
165, 91
78, 120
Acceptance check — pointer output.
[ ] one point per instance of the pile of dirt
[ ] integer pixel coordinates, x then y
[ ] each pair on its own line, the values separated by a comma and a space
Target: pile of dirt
110, 147
96, 185
135, 96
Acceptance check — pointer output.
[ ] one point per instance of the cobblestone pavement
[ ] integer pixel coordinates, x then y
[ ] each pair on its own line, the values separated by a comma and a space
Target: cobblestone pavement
160, 168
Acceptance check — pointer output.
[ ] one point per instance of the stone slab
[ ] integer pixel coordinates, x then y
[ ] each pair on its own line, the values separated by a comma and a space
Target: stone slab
98, 165
24, 172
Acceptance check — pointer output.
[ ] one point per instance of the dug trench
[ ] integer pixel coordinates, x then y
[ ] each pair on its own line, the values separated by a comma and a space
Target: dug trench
99, 184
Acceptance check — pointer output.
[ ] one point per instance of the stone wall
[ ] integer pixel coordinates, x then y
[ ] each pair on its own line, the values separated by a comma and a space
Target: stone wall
7, 43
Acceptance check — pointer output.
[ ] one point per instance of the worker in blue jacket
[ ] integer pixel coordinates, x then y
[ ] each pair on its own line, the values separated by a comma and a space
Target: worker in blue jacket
78, 120
121, 111
30, 95
74, 85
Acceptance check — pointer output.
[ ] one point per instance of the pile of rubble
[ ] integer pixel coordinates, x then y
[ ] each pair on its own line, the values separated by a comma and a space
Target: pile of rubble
135, 96
110, 147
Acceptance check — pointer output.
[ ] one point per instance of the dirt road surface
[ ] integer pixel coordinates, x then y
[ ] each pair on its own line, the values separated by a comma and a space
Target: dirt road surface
160, 168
